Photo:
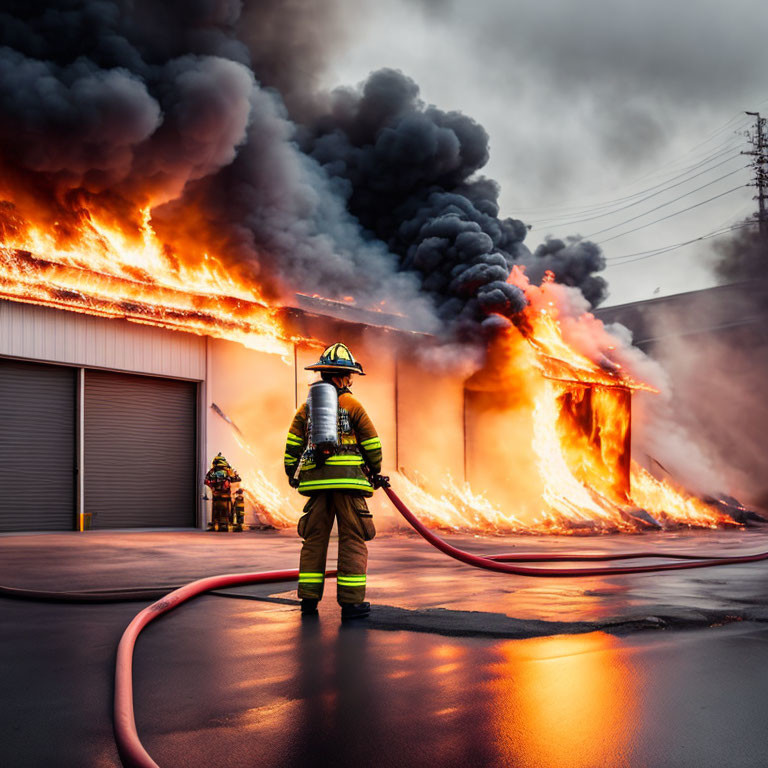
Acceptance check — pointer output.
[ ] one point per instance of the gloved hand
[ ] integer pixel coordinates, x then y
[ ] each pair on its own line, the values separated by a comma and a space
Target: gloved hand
380, 481
293, 482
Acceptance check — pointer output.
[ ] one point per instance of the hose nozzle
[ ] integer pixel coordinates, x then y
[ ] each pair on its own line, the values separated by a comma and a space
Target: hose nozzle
380, 481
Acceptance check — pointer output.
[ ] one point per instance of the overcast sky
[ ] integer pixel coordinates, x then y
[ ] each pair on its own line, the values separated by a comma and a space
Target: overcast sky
587, 103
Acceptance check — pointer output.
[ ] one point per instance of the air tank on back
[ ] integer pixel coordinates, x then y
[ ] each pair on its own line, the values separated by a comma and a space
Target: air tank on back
323, 403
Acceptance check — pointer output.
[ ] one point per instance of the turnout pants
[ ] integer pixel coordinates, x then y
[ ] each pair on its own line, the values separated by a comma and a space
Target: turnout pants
220, 511
315, 528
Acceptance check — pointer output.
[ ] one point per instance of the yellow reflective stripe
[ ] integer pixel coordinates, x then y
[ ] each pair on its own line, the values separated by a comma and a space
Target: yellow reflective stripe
288, 457
341, 482
351, 578
312, 578
294, 439
339, 460
371, 442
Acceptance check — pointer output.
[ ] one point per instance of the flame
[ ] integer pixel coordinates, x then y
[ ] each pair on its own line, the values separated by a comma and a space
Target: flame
547, 331
581, 409
558, 364
672, 504
101, 271
457, 508
566, 497
267, 503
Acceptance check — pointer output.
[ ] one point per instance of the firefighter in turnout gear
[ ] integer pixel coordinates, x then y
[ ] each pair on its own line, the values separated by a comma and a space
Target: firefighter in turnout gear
238, 510
219, 479
333, 456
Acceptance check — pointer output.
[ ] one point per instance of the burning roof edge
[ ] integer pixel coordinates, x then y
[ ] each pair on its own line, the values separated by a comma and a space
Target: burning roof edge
349, 312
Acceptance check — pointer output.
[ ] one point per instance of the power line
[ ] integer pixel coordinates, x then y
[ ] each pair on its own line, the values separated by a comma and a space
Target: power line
676, 213
726, 126
579, 210
736, 219
759, 164
601, 206
641, 200
739, 116
682, 157
642, 255
664, 205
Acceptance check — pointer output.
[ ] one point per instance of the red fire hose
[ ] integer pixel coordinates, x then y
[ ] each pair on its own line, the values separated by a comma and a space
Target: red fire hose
494, 564
131, 750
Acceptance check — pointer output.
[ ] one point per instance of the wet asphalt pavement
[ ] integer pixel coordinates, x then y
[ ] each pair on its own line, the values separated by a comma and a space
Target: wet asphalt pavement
455, 668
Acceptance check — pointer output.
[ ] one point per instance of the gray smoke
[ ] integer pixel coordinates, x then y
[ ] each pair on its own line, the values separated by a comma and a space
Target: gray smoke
209, 111
742, 255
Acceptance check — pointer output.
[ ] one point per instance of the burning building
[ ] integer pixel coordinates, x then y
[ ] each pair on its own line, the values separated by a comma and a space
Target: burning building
721, 331
116, 393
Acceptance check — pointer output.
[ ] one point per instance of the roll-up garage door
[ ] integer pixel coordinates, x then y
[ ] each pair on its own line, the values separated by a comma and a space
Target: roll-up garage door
37, 447
140, 451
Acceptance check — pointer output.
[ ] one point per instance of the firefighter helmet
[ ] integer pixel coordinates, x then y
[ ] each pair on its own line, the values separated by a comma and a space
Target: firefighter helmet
219, 462
337, 359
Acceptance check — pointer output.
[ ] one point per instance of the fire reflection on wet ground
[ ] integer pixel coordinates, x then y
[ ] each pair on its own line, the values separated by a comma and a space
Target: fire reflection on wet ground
304, 693
299, 693
244, 683
567, 700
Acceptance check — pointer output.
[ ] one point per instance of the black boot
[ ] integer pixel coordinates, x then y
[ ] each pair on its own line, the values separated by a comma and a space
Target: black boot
308, 606
355, 610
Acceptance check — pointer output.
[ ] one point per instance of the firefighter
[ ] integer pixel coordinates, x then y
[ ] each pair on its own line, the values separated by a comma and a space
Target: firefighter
238, 510
219, 479
337, 478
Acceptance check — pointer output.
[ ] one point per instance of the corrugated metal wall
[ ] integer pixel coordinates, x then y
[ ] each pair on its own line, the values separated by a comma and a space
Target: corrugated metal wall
37, 447
140, 451
59, 336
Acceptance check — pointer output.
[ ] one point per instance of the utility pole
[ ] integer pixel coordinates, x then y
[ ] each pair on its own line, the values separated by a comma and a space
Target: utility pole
759, 153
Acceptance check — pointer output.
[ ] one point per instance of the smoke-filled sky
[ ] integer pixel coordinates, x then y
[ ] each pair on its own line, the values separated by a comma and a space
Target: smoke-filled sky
586, 103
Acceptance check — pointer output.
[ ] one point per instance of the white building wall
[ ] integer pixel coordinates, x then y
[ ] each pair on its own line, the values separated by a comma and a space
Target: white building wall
57, 336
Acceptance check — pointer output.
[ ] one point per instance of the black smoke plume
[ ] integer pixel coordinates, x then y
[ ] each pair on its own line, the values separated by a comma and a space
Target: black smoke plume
208, 111
574, 262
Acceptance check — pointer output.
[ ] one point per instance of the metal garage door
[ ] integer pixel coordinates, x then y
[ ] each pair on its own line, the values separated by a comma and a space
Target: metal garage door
37, 447
140, 451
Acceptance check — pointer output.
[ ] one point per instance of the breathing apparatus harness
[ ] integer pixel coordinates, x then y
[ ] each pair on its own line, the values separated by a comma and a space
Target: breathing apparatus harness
329, 431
